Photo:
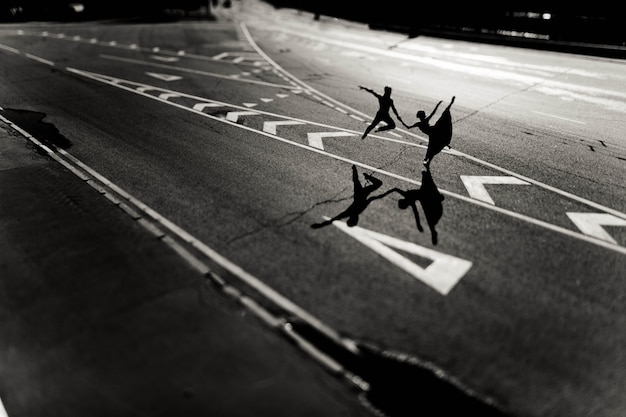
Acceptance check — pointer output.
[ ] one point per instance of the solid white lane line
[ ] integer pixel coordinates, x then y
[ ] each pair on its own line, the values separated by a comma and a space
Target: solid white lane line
470, 200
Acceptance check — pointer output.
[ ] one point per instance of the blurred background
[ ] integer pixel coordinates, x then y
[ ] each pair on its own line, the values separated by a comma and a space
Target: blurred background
548, 21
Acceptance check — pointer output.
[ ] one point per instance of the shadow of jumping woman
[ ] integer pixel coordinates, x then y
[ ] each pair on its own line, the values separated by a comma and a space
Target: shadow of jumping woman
429, 198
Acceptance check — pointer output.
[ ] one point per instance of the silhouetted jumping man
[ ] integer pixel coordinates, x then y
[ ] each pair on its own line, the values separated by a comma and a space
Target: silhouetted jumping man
439, 134
360, 201
385, 104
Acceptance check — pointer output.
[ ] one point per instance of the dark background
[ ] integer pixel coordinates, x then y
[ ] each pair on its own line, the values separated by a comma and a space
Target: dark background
589, 22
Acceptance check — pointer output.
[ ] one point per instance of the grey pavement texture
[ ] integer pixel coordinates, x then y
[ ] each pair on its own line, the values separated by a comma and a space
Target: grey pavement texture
98, 317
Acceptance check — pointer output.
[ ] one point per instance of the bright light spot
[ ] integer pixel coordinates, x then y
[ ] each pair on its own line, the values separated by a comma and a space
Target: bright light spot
546, 16
77, 7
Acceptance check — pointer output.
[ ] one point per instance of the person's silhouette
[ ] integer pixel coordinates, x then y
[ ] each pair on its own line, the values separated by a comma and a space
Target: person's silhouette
360, 200
385, 103
430, 199
439, 134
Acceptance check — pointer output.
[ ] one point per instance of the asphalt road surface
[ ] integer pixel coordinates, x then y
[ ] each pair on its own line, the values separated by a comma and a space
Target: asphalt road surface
237, 141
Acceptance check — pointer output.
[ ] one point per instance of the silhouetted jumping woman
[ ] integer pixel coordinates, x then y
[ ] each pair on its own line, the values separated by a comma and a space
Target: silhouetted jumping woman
439, 134
360, 200
385, 104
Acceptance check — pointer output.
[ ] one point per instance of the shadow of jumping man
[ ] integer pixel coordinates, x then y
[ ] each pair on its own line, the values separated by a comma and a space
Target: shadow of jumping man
430, 199
439, 134
360, 200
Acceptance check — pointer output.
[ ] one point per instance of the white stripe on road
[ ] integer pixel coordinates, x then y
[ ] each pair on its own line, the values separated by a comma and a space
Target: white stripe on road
541, 223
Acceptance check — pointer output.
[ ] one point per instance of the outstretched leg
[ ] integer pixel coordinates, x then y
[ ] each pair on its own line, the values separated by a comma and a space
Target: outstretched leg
390, 124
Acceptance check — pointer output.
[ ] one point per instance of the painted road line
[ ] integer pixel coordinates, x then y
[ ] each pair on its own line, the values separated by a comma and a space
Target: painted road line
441, 275
559, 117
202, 106
571, 233
475, 185
196, 72
167, 96
270, 126
3, 411
591, 224
315, 138
233, 116
164, 77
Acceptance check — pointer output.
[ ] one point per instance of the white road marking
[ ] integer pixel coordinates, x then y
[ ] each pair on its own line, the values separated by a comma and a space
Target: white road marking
233, 116
559, 117
38, 59
476, 185
250, 105
164, 77
165, 58
167, 96
315, 138
202, 106
197, 72
3, 411
116, 82
442, 274
591, 224
270, 127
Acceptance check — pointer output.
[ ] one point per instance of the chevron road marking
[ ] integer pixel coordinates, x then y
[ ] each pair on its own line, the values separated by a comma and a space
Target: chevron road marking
202, 106
442, 274
476, 185
166, 96
315, 138
591, 224
233, 116
139, 88
270, 127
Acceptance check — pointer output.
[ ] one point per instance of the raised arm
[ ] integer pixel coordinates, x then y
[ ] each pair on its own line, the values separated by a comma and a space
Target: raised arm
434, 110
369, 90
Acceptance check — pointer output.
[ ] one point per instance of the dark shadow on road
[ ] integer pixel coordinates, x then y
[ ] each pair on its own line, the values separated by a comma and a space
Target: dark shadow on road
400, 385
360, 200
430, 199
33, 123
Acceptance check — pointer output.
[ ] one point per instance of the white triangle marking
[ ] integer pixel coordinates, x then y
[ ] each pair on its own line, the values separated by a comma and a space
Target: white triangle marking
442, 274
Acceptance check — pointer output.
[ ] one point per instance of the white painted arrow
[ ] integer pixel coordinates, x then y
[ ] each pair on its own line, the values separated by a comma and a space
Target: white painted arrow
233, 116
270, 127
315, 138
202, 106
442, 274
476, 185
164, 77
591, 224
